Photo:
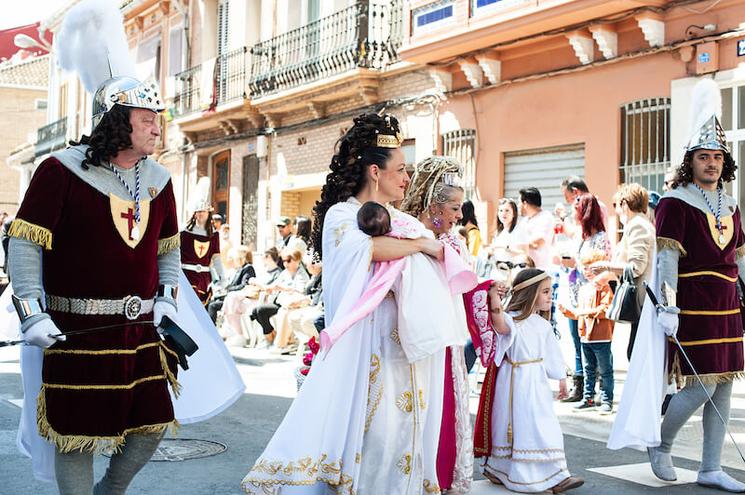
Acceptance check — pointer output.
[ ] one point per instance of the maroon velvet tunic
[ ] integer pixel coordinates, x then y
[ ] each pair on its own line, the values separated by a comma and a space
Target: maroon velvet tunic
198, 250
97, 388
711, 329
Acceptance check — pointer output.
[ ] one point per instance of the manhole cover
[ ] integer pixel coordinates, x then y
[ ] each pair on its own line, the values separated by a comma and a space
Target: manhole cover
182, 449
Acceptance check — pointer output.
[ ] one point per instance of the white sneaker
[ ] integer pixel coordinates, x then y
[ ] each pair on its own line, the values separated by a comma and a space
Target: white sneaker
720, 481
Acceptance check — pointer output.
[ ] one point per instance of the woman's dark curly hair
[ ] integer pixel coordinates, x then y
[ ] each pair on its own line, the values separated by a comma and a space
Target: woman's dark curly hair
684, 172
110, 136
355, 151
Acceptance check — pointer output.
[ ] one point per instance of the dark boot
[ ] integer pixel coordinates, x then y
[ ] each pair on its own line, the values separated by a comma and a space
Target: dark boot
576, 394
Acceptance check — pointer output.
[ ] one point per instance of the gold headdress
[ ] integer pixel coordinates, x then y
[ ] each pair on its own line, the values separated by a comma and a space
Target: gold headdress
389, 140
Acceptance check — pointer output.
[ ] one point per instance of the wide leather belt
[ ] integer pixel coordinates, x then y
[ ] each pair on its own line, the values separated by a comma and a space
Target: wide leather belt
195, 268
131, 306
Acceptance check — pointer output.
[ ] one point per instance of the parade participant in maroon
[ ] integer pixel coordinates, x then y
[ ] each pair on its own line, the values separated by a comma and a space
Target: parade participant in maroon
700, 256
200, 245
95, 243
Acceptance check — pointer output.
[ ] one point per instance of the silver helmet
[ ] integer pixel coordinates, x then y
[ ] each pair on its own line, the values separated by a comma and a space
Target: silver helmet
706, 131
128, 92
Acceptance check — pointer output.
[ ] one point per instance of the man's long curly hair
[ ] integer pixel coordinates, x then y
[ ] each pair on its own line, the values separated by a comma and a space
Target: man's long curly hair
684, 172
110, 136
355, 151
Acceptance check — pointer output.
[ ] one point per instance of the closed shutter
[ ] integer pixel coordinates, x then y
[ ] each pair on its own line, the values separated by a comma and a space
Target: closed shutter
222, 27
544, 169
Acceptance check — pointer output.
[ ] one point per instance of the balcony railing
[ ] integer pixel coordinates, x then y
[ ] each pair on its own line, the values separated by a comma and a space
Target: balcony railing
51, 137
186, 100
228, 83
366, 34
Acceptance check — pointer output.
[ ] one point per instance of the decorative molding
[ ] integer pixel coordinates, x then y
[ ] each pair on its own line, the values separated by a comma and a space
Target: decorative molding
317, 109
584, 47
653, 28
473, 72
443, 80
273, 120
491, 66
607, 40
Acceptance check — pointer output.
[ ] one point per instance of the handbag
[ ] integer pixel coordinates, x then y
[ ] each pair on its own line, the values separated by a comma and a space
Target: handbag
625, 306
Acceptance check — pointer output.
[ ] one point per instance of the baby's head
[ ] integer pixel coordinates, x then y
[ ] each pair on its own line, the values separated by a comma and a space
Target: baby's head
374, 219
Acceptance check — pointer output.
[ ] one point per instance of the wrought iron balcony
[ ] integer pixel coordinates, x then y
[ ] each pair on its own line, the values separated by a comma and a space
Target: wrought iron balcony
51, 137
228, 83
366, 34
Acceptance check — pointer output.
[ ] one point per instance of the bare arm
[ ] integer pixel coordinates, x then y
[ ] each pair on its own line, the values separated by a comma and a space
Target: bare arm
388, 248
496, 311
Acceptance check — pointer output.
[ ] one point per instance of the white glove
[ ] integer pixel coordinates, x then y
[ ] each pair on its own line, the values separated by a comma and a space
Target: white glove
38, 333
667, 318
163, 308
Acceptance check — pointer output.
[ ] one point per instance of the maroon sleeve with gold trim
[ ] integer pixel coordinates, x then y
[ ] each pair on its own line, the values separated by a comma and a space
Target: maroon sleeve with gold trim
43, 204
671, 222
214, 244
168, 238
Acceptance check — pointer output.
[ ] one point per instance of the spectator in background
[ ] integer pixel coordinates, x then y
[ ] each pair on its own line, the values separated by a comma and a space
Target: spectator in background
670, 177
217, 221
239, 281
654, 200
508, 242
4, 229
594, 240
303, 228
244, 300
282, 291
537, 226
228, 261
634, 252
573, 187
473, 234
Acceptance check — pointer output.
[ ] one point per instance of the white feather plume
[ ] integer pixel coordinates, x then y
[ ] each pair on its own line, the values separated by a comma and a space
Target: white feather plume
91, 40
706, 101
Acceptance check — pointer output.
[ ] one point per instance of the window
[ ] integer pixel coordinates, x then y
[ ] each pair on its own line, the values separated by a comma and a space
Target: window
221, 183
461, 145
645, 142
40, 104
733, 122
433, 15
479, 6
223, 9
175, 51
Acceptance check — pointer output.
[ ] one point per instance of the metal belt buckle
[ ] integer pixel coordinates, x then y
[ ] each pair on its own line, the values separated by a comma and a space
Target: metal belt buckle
132, 307
200, 268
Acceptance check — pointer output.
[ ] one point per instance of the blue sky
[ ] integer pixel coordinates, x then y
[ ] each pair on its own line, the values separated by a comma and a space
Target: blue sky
30, 12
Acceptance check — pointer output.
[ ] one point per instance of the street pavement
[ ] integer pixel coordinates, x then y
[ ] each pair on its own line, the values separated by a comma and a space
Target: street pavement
247, 426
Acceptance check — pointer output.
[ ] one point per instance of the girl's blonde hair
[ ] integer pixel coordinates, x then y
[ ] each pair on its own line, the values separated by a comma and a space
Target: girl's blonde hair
524, 300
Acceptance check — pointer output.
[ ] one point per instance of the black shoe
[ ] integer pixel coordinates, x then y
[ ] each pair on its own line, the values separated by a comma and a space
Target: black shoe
585, 405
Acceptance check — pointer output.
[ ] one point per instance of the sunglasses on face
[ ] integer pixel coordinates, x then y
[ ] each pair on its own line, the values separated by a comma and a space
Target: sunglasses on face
511, 265
287, 260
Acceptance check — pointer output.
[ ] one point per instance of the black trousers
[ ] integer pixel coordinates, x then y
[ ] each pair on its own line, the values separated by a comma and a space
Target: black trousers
632, 338
262, 313
214, 306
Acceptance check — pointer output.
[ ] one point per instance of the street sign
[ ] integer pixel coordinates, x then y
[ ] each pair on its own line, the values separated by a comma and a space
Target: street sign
741, 48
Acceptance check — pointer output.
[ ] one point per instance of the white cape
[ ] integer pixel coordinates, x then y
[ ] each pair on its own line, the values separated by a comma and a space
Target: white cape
637, 422
210, 385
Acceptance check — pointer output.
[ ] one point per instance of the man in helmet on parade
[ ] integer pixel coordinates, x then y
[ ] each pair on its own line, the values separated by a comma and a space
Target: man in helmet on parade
95, 243
701, 246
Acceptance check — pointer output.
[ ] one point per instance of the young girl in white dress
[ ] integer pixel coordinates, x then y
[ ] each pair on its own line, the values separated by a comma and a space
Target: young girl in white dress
527, 446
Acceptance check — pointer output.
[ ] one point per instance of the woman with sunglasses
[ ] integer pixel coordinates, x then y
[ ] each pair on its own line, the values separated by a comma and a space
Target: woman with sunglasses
508, 242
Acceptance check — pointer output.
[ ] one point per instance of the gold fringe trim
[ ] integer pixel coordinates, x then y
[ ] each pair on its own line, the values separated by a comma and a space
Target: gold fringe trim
713, 312
169, 244
37, 234
175, 385
667, 243
724, 340
714, 378
741, 251
91, 444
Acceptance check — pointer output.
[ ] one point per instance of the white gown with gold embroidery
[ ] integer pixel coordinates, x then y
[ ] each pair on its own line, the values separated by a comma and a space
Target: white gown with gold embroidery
531, 459
365, 421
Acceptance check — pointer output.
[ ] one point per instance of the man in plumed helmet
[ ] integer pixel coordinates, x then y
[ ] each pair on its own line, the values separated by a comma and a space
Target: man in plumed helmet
700, 249
95, 243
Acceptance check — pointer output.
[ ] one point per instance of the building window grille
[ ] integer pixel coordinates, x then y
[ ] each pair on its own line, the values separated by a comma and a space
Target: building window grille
645, 142
461, 145
433, 15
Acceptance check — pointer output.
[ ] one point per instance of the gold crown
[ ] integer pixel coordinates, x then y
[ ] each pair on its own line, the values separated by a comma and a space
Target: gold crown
388, 141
